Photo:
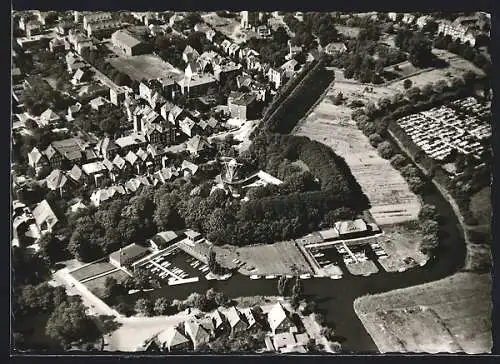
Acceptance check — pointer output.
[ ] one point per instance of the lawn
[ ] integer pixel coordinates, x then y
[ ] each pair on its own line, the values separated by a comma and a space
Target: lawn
230, 27
146, 66
96, 286
449, 315
278, 258
389, 194
92, 270
33, 329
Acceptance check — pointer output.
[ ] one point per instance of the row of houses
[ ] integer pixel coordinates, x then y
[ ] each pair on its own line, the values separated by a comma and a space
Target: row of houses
197, 332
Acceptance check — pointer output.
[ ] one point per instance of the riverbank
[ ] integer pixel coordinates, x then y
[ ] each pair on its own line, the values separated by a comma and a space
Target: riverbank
449, 315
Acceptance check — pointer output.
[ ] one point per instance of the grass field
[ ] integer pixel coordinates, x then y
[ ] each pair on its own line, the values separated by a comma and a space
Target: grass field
389, 194
230, 27
278, 258
450, 315
96, 286
92, 270
146, 66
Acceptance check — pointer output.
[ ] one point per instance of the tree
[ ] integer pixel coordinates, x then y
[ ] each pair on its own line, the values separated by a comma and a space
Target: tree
427, 212
112, 288
375, 139
398, 161
338, 99
407, 84
51, 248
161, 306
429, 227
69, 324
385, 150
282, 285
141, 278
212, 261
221, 299
416, 184
196, 300
428, 244
144, 307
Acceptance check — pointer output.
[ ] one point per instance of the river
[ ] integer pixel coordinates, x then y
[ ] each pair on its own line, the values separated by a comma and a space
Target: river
335, 297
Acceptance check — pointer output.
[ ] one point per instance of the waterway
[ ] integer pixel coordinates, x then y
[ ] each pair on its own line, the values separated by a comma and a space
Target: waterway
335, 297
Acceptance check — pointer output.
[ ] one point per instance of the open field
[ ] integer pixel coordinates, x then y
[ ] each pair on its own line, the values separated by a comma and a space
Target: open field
146, 66
449, 315
278, 258
92, 270
96, 286
389, 194
400, 243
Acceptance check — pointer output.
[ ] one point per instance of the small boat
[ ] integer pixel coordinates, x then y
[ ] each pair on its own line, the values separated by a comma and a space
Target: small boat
305, 276
289, 276
319, 255
254, 276
270, 276
336, 277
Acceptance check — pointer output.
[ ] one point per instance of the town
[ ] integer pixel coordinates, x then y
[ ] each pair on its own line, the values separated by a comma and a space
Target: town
219, 182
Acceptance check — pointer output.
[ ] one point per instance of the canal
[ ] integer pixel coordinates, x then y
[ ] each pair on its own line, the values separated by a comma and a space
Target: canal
335, 297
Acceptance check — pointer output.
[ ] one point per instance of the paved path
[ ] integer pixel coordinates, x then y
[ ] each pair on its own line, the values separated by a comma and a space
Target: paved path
95, 305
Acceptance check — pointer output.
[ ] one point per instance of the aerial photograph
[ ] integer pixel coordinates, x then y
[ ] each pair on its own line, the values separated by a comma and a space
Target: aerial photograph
264, 183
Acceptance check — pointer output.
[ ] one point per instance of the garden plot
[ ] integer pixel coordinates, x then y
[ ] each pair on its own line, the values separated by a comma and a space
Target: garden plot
146, 66
92, 270
389, 194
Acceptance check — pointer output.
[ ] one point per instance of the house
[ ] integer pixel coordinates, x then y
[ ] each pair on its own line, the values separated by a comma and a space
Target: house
63, 27
249, 317
37, 159
242, 106
223, 72
197, 144
274, 77
408, 18
78, 206
44, 217
106, 148
192, 237
73, 62
244, 81
65, 153
335, 48
188, 168
219, 322
351, 228
284, 339
96, 171
76, 175
95, 17
197, 85
72, 110
80, 76
329, 234
56, 45
149, 88
247, 52
131, 142
198, 334
289, 68
49, 117
120, 163
157, 156
164, 239
190, 54
176, 114
423, 20
117, 94
98, 103
164, 175
134, 161
233, 50
226, 43
126, 256
172, 340
263, 31
279, 320
210, 34
235, 320
56, 181
112, 169
392, 16
128, 43
188, 126
457, 31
